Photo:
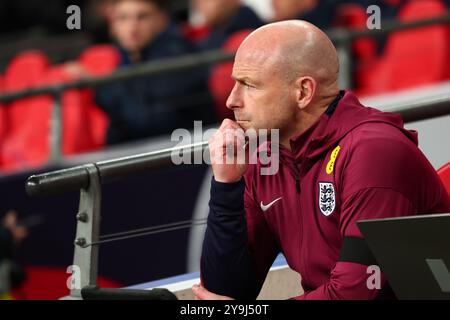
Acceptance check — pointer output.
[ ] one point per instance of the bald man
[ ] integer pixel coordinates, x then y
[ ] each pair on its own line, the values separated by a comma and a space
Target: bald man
339, 162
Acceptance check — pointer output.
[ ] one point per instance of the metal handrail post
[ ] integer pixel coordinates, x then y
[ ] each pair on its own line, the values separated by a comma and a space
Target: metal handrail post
56, 129
85, 261
344, 52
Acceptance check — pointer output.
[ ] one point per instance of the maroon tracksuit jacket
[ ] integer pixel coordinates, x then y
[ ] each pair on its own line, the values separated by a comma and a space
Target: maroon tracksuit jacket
354, 163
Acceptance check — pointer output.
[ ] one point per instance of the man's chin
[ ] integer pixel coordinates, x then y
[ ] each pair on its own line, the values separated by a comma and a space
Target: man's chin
244, 124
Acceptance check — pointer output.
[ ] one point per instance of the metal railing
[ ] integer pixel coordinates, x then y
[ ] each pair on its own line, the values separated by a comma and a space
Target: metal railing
342, 38
88, 179
76, 178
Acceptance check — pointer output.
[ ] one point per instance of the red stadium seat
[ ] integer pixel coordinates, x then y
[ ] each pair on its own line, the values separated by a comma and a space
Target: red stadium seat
444, 174
412, 57
420, 56
3, 121
353, 16
25, 70
364, 50
98, 119
98, 60
220, 81
84, 124
195, 34
21, 146
27, 143
77, 116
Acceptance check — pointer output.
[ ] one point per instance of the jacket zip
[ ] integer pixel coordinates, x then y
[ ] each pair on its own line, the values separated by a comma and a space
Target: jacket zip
297, 178
297, 171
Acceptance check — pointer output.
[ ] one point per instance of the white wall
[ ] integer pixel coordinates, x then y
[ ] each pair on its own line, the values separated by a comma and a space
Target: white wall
434, 139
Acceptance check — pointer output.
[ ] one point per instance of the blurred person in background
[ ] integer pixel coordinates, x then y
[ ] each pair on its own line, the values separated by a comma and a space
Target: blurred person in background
223, 18
11, 235
226, 21
150, 106
319, 12
96, 18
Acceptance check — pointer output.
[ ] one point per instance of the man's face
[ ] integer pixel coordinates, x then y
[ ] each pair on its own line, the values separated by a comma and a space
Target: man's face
136, 23
261, 98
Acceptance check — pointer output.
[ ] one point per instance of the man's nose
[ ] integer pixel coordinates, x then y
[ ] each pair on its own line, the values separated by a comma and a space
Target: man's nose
234, 100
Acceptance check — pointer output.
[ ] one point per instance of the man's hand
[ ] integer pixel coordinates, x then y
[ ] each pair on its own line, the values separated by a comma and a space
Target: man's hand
228, 154
201, 293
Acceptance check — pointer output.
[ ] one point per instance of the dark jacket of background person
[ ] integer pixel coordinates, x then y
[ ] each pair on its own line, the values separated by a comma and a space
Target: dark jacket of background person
6, 244
244, 18
145, 107
16, 275
323, 15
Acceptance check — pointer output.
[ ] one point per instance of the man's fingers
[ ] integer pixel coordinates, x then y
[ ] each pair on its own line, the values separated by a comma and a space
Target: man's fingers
227, 152
227, 146
202, 294
229, 124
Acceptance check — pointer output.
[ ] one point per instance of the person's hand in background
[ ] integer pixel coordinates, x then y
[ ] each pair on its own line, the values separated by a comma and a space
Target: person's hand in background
76, 70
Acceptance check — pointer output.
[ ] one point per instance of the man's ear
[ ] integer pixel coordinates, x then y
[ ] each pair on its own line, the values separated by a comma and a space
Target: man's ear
306, 87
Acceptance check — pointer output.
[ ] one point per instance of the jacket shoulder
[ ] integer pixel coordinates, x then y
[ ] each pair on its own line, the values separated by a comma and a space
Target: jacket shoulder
382, 156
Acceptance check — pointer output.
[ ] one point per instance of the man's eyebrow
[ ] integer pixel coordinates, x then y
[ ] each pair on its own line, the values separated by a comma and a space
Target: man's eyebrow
242, 79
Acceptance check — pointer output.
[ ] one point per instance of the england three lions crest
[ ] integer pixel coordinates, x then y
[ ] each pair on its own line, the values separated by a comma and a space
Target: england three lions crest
327, 198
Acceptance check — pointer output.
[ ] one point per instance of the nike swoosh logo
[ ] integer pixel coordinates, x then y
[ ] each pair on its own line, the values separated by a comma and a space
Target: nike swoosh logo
267, 206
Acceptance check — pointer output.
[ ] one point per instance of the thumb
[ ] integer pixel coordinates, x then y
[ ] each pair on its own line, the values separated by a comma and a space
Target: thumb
203, 294
200, 292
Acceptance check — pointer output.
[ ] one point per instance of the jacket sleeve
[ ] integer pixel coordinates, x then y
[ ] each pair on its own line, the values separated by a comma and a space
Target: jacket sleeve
232, 263
382, 178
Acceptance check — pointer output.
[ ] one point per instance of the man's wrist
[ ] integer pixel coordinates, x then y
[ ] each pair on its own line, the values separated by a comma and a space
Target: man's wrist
227, 180
229, 196
232, 183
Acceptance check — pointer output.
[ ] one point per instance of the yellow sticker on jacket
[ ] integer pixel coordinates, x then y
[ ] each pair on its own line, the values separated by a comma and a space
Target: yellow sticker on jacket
330, 164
